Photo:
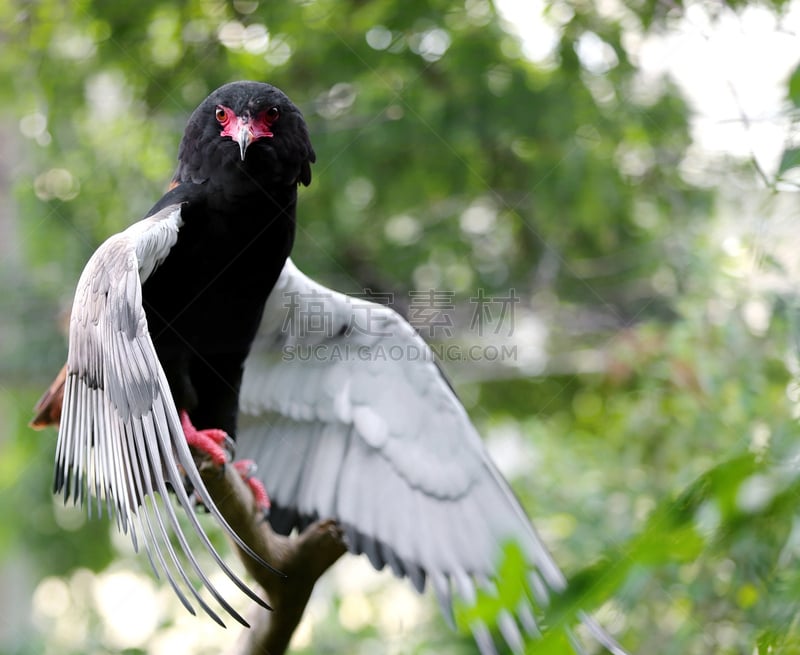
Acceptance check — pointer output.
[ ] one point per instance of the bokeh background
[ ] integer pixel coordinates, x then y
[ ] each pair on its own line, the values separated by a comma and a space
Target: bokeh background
624, 171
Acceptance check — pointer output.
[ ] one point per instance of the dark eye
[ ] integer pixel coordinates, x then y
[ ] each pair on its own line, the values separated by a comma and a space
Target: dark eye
273, 113
220, 114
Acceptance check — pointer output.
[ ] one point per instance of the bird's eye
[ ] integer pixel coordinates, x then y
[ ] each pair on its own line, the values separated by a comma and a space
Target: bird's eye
273, 113
220, 114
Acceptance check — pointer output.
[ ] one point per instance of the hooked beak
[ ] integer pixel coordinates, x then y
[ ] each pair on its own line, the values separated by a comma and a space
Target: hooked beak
244, 135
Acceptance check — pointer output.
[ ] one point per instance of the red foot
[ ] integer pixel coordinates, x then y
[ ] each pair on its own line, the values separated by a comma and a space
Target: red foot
246, 468
206, 441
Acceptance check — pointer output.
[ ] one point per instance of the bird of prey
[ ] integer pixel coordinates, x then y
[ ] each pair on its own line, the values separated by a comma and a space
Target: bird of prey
183, 332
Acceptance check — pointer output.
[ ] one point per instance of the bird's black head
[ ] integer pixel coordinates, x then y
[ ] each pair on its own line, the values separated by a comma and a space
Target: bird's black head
246, 129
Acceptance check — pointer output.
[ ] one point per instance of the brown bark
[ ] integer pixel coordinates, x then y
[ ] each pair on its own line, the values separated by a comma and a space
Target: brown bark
302, 559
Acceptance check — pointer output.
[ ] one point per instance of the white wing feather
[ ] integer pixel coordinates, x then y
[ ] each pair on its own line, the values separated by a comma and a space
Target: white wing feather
359, 425
120, 438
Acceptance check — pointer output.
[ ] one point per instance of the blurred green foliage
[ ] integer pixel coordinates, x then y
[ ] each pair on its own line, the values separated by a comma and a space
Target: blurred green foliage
654, 445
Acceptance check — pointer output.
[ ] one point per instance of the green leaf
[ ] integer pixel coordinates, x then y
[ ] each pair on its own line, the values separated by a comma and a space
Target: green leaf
794, 87
789, 160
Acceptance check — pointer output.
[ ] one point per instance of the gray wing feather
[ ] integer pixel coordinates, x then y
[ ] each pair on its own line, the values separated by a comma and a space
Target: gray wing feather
359, 425
120, 438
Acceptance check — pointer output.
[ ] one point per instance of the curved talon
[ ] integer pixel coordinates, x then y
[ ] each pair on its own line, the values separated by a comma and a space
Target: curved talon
230, 447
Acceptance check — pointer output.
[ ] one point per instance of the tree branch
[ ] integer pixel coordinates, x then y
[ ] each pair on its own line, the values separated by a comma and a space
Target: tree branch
303, 559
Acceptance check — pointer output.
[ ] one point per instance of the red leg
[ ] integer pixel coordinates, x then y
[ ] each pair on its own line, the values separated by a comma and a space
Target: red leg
211, 443
208, 441
246, 468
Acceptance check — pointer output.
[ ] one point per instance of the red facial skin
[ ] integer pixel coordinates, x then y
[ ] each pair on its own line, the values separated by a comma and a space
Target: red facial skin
246, 129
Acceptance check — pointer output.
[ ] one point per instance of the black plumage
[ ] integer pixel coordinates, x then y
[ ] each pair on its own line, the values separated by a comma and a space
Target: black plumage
163, 319
198, 308
205, 300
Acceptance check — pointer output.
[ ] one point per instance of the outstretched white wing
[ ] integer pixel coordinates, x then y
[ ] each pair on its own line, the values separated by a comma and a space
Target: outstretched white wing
120, 438
348, 417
